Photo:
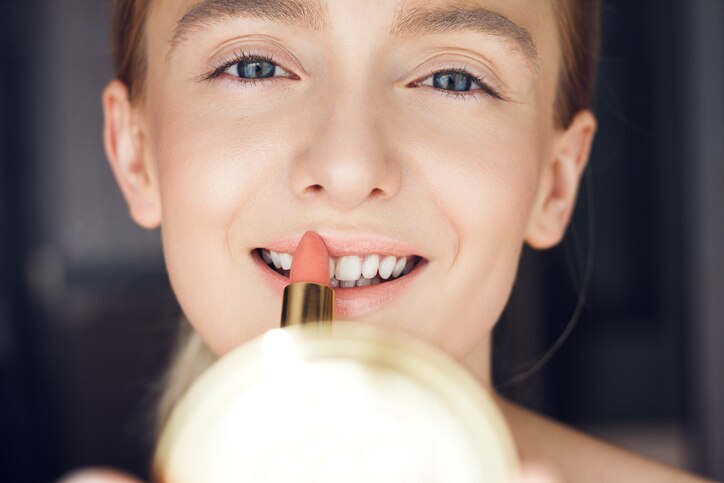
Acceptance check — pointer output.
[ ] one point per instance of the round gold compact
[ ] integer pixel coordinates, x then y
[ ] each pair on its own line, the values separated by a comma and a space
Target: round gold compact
335, 403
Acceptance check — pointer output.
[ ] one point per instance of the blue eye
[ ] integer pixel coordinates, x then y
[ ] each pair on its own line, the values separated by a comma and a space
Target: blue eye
249, 67
459, 83
452, 81
253, 69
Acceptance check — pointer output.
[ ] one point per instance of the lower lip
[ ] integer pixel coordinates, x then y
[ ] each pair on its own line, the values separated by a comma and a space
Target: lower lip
349, 302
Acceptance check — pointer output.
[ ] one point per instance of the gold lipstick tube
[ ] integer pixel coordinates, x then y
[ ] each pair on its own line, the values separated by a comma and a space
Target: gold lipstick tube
306, 302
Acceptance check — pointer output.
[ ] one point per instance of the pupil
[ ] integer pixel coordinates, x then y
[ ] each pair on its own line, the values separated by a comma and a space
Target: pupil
456, 81
255, 69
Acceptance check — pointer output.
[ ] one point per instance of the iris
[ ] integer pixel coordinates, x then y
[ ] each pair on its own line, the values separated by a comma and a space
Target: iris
456, 81
255, 69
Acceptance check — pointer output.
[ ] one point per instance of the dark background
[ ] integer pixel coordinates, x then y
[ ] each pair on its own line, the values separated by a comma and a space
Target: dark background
87, 317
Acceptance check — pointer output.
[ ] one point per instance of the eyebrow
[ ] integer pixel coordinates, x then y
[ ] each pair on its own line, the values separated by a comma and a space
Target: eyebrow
311, 15
307, 14
457, 18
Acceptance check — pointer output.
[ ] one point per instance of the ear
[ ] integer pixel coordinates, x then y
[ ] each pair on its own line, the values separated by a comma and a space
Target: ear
559, 184
123, 136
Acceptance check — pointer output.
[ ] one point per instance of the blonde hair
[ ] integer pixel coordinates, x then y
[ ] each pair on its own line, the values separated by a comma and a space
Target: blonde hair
190, 358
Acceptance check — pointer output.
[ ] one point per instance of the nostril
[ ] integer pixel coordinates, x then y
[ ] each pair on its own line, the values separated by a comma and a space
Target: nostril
314, 189
377, 193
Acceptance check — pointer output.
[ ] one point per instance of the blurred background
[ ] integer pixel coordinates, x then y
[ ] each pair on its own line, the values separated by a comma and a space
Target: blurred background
87, 317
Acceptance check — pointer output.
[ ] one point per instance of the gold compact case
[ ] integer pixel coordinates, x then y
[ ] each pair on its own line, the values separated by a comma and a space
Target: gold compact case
340, 402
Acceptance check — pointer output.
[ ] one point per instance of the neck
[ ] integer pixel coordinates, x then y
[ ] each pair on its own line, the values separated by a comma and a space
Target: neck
477, 361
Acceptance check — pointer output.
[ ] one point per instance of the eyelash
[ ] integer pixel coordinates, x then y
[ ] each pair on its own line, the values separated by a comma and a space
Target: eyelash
479, 80
241, 56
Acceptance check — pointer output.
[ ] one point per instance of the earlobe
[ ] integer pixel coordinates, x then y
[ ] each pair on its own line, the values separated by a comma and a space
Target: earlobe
124, 144
559, 184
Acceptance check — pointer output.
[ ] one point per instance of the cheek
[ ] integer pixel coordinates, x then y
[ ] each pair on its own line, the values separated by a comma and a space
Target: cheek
484, 179
211, 167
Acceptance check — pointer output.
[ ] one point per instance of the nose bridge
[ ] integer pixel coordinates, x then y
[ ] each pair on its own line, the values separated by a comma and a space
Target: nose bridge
351, 132
346, 161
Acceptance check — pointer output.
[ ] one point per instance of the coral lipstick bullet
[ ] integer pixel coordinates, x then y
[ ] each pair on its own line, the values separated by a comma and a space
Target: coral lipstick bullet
308, 298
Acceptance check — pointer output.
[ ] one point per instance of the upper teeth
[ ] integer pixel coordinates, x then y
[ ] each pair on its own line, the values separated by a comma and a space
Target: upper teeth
351, 268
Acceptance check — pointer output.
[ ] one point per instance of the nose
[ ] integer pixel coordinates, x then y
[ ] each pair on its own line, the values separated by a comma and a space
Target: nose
346, 161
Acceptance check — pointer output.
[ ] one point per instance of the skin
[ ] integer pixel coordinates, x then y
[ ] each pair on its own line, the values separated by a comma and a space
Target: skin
349, 146
466, 183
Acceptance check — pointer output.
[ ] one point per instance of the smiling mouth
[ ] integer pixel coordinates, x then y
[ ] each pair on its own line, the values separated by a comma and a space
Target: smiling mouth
351, 270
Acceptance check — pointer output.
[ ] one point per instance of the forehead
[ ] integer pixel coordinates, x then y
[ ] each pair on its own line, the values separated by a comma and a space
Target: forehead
522, 22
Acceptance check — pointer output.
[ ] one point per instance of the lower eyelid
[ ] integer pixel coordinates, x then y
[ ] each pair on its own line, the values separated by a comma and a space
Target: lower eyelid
261, 83
464, 96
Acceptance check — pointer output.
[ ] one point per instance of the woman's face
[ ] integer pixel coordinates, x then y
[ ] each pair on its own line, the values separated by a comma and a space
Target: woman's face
405, 128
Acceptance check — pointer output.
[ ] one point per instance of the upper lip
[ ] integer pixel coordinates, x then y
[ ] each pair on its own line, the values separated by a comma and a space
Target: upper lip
343, 244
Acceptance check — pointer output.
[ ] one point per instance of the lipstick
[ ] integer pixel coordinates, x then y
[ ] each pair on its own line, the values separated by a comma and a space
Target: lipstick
308, 298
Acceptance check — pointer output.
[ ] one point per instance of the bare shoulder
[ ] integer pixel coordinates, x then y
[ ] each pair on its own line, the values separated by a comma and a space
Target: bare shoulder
98, 475
583, 458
